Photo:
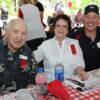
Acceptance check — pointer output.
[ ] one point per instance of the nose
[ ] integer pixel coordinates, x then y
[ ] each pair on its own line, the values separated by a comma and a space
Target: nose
91, 19
19, 37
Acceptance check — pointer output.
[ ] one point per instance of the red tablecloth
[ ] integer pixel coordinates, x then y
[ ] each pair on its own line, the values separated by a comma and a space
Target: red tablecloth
73, 94
77, 95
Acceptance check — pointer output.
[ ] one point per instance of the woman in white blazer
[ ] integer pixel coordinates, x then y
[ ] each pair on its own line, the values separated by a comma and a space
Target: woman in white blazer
61, 49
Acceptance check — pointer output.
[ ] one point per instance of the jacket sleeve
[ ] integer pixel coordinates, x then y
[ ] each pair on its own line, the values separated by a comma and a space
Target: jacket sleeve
79, 60
32, 64
39, 53
20, 13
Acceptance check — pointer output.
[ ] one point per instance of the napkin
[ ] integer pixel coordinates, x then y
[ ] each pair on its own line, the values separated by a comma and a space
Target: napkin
57, 89
23, 94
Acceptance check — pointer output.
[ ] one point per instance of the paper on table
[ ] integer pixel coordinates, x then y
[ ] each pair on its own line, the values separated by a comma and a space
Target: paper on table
69, 83
91, 84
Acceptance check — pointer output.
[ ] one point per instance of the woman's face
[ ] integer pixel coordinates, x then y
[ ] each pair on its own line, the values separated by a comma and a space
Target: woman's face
61, 29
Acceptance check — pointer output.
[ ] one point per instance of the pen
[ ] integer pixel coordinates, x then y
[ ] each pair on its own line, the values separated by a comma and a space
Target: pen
84, 89
80, 89
76, 82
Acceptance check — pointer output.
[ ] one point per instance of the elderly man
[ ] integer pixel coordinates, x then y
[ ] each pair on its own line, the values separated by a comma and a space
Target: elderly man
89, 37
16, 67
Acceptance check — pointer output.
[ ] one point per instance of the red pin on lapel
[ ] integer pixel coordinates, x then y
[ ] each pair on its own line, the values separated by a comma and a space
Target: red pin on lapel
73, 49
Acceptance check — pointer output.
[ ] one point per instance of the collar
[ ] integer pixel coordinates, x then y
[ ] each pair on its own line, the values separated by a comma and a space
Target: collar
62, 40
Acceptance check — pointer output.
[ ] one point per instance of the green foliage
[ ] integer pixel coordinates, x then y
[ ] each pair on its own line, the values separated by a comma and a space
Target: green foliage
82, 5
11, 7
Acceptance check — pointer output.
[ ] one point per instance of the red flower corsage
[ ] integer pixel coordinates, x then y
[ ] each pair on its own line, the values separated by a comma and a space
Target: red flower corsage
23, 62
73, 49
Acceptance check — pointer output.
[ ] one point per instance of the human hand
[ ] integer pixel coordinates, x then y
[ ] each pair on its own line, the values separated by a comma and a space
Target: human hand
81, 73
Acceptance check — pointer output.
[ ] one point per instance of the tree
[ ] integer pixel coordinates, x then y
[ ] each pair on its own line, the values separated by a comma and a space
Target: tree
12, 4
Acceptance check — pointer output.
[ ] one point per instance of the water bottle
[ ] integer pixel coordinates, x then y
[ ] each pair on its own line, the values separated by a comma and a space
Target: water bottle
41, 82
59, 72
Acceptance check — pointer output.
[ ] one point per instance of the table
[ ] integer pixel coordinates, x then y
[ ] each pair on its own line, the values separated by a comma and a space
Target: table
88, 95
74, 94
77, 95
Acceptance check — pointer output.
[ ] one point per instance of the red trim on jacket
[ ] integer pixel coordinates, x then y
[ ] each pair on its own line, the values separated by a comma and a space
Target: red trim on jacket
20, 14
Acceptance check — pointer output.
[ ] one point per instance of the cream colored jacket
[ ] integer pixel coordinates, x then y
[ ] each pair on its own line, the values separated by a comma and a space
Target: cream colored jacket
52, 53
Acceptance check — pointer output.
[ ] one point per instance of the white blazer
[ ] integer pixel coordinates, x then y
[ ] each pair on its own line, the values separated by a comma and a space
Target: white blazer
52, 53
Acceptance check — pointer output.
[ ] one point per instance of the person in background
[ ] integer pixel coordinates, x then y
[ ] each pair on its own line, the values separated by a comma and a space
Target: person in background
61, 49
31, 16
78, 18
1, 27
0, 33
89, 37
59, 6
4, 13
16, 63
40, 7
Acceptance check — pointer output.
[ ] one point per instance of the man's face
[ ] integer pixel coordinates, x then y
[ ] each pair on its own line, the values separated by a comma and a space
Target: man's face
16, 37
90, 21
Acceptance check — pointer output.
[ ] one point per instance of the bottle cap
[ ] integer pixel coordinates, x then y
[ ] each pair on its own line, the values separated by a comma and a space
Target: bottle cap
40, 69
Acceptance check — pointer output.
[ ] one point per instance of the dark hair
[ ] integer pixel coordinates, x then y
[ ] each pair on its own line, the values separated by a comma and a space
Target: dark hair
40, 6
64, 17
27, 1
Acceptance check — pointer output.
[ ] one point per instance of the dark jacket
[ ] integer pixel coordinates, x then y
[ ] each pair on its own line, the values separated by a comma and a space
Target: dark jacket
16, 69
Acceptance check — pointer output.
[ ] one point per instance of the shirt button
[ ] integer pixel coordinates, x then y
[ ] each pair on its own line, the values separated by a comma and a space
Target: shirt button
93, 46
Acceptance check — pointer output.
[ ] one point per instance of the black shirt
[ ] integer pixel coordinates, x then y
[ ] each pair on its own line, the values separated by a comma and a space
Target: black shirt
15, 68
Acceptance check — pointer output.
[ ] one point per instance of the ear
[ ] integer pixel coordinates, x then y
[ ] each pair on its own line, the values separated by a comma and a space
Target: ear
83, 17
5, 34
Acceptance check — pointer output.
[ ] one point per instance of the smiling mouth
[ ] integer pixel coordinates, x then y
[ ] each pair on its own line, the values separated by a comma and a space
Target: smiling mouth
90, 24
18, 43
61, 32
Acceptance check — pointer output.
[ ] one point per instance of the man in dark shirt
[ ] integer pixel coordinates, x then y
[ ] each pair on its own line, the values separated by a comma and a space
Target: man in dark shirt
89, 37
16, 63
